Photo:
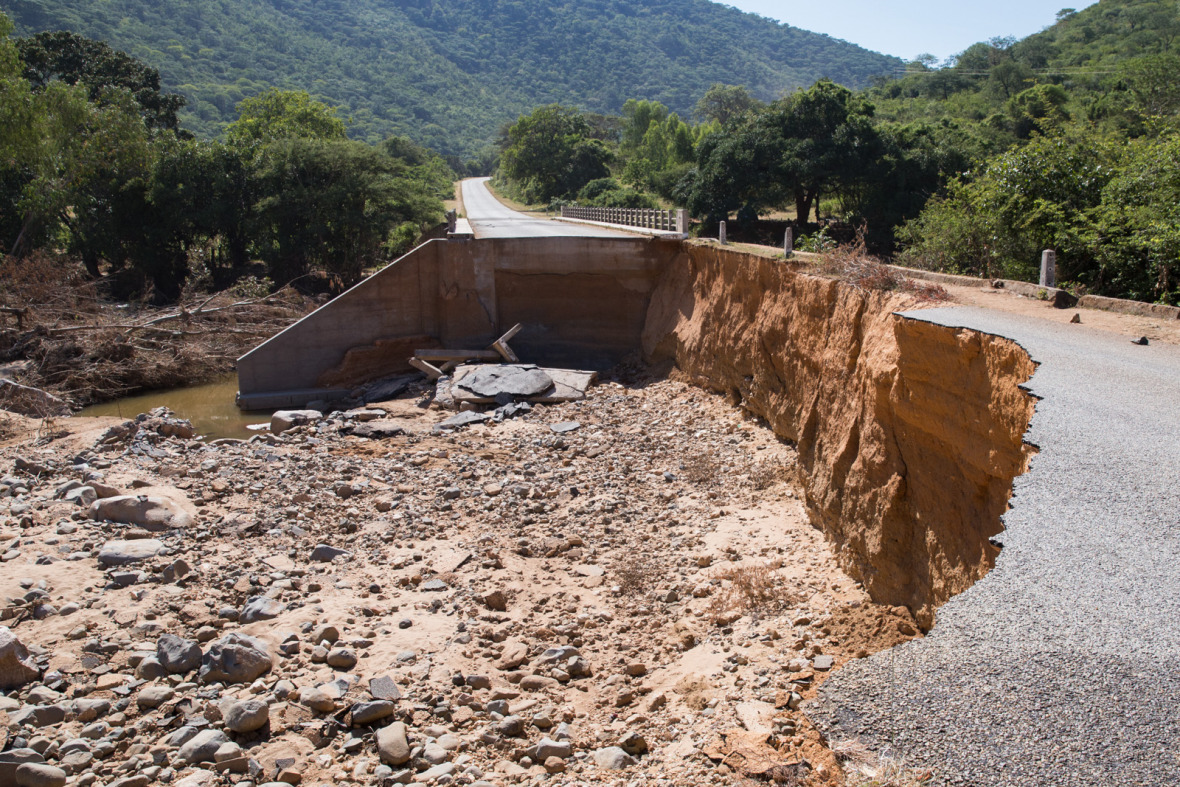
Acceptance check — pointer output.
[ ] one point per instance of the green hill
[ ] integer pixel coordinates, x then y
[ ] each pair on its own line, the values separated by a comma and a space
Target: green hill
450, 73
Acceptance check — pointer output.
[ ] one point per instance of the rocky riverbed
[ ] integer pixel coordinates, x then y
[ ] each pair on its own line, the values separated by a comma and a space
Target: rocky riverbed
622, 590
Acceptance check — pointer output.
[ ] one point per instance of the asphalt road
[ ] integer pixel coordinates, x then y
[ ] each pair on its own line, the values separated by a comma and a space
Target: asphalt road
1061, 666
490, 218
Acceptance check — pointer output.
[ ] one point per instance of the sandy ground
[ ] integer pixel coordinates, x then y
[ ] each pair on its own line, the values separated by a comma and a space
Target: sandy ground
661, 543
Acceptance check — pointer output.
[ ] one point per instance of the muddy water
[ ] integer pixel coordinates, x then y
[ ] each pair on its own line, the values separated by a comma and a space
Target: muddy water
210, 407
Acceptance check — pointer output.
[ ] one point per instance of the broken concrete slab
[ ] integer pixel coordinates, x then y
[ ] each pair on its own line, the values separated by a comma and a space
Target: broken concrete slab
517, 380
569, 385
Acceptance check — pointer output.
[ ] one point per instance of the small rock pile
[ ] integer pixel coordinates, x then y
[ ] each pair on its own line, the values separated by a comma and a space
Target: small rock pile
618, 590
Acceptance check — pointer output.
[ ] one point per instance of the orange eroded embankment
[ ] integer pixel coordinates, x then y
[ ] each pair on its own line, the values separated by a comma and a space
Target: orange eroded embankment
909, 434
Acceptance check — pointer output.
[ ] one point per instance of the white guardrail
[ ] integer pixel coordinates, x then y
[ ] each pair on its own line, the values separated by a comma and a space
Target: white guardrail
644, 218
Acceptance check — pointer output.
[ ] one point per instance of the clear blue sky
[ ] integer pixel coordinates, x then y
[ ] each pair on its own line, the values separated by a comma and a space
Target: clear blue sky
907, 29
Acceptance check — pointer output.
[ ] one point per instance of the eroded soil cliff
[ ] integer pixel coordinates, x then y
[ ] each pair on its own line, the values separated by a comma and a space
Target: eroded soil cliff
909, 435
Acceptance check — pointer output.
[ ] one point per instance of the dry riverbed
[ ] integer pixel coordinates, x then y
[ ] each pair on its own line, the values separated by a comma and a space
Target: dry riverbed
635, 600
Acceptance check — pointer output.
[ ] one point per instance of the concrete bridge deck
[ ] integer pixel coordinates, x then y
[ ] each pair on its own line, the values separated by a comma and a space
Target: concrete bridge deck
1062, 665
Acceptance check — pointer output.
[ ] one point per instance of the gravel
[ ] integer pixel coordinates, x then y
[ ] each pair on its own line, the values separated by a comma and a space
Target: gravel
1062, 666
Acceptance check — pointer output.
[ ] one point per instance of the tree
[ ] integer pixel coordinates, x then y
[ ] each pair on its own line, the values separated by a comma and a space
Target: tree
332, 204
77, 60
548, 153
283, 114
723, 103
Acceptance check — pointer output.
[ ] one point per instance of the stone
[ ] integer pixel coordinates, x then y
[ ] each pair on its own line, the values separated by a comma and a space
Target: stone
547, 748
235, 658
433, 586
342, 658
612, 758
16, 666
496, 601
246, 716
376, 430
430, 775
154, 697
365, 713
33, 774
325, 633
564, 427
260, 608
82, 496
823, 663
316, 699
178, 655
202, 747
151, 669
492, 380
633, 743
392, 744
121, 553
383, 688
324, 553
152, 513
515, 654
283, 420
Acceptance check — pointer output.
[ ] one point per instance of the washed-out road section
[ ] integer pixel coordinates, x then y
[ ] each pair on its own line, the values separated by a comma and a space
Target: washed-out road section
490, 218
1062, 665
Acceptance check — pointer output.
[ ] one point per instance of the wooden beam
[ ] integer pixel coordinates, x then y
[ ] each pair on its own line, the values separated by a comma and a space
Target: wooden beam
501, 345
457, 355
431, 372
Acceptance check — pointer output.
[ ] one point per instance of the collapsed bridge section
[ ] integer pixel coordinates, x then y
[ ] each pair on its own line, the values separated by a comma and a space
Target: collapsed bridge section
909, 434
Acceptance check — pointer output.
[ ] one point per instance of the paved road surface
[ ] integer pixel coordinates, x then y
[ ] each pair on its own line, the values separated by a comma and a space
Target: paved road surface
490, 218
1062, 666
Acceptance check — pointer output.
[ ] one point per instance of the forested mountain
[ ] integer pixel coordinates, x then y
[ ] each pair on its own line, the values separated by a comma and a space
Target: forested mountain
450, 73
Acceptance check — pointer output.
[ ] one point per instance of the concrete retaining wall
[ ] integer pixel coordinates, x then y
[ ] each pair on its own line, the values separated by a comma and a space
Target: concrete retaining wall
582, 301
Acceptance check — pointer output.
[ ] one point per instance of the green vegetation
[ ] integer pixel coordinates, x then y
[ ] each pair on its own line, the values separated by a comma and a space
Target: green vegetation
449, 74
1068, 139
94, 166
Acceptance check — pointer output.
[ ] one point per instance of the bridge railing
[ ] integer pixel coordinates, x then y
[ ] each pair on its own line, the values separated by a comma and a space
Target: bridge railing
644, 218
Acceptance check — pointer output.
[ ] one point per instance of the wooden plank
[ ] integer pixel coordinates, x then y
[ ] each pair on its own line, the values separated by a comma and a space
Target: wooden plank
457, 355
515, 329
505, 351
426, 369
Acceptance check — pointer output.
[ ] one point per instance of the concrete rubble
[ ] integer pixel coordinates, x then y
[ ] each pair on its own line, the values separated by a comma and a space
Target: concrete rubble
584, 592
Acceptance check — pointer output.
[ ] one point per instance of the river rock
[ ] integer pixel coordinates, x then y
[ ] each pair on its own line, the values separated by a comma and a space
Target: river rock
260, 608
150, 512
154, 697
178, 655
12, 759
121, 553
247, 716
16, 668
612, 758
286, 419
392, 744
203, 746
235, 658
364, 713
33, 774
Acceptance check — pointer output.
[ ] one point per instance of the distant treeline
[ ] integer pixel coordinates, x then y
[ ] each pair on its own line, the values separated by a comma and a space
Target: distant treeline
94, 164
1067, 140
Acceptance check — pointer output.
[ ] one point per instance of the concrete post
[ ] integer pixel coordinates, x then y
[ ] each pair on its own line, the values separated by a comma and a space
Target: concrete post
1048, 268
721, 234
789, 242
682, 221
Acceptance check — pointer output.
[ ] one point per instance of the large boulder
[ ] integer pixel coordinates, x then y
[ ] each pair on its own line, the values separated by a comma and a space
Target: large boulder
245, 716
151, 512
235, 658
16, 668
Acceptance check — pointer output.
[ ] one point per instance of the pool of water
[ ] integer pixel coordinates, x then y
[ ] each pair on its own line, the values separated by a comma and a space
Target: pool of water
210, 407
